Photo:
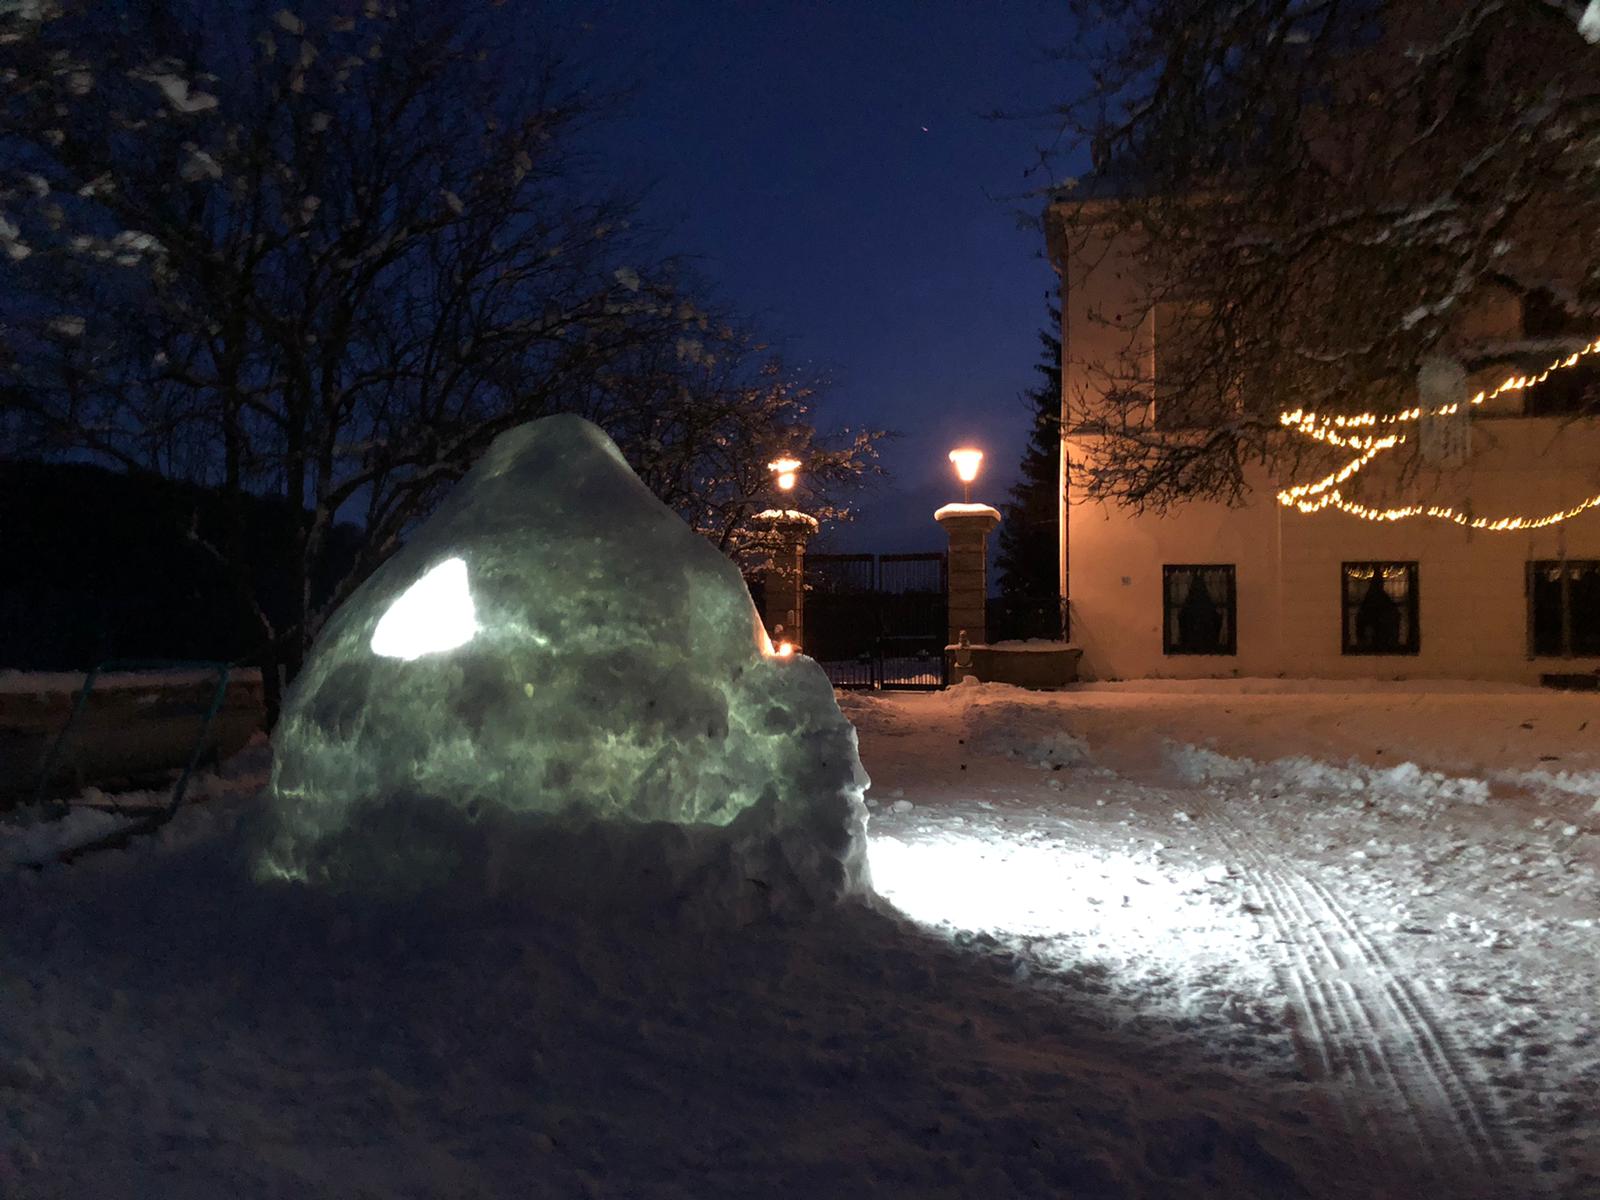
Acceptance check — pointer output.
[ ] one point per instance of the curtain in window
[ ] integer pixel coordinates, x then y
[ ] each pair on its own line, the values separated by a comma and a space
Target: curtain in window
1397, 582
1219, 590
1379, 608
1178, 585
1583, 599
1397, 585
1199, 604
1544, 597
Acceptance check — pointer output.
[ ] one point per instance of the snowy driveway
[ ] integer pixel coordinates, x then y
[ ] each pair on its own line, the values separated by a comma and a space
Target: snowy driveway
1136, 969
1422, 934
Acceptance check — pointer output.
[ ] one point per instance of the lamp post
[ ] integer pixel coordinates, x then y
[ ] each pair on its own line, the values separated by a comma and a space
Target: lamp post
967, 462
968, 526
784, 472
785, 576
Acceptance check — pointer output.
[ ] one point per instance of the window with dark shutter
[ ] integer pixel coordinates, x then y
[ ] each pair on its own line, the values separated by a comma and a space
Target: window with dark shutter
1199, 609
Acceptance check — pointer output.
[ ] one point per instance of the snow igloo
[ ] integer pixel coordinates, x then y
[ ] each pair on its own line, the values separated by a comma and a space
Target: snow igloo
558, 687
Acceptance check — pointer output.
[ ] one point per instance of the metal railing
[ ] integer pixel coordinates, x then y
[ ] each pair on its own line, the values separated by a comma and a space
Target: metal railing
153, 820
877, 621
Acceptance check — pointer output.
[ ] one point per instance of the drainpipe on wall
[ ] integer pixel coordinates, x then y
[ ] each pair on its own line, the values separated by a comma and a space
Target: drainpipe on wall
1277, 589
1063, 505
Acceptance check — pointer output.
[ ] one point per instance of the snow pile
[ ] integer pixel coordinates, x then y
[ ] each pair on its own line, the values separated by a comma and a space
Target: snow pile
1047, 751
863, 711
1405, 783
1018, 731
26, 841
1555, 783
37, 836
557, 688
1201, 764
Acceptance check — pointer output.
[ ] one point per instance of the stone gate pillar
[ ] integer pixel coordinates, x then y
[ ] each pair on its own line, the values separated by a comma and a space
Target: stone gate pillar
968, 526
785, 533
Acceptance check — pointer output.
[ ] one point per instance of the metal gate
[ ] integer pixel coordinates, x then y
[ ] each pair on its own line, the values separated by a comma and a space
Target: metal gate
877, 621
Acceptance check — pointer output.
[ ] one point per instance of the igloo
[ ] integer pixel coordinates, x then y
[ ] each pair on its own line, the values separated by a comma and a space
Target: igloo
557, 686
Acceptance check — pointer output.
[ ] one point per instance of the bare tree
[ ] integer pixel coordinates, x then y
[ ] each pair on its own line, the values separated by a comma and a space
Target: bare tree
1320, 194
330, 251
702, 420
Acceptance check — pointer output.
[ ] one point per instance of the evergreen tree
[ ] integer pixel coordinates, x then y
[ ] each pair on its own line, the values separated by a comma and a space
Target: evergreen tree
1027, 559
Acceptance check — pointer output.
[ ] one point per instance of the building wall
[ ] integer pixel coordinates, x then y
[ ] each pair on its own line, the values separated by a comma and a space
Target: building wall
1472, 585
1473, 607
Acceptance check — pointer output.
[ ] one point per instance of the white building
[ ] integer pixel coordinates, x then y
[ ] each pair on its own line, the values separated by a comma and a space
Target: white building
1267, 590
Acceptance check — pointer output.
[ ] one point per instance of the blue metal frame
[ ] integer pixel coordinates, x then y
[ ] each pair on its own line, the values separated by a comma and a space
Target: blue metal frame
122, 664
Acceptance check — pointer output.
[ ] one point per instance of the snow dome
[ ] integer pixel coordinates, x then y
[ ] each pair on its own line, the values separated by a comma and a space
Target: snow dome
559, 683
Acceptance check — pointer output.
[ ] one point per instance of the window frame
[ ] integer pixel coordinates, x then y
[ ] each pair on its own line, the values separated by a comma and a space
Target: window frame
1566, 614
1168, 647
1571, 393
1413, 606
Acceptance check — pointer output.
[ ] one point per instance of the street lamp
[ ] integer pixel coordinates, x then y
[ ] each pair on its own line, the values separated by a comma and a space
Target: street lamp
785, 469
788, 530
966, 461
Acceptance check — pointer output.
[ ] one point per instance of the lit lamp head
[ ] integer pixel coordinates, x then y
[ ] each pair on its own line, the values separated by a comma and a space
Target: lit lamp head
967, 461
785, 470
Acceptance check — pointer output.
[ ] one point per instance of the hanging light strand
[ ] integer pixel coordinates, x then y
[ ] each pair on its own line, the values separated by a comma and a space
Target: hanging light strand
1333, 499
1308, 422
1299, 491
1324, 493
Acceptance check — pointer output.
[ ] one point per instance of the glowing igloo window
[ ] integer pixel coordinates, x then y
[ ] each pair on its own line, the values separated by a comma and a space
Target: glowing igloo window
434, 614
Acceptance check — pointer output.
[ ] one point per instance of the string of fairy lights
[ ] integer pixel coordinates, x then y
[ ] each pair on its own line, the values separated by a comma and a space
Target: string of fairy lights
1358, 432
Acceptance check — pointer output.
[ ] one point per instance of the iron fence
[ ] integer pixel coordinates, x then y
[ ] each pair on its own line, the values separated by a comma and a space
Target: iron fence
877, 621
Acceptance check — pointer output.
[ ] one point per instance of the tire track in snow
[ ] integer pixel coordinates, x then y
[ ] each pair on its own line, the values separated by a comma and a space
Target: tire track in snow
1463, 1080
1342, 1050
1379, 1037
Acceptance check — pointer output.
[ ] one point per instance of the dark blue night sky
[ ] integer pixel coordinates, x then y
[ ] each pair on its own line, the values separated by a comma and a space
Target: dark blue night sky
831, 166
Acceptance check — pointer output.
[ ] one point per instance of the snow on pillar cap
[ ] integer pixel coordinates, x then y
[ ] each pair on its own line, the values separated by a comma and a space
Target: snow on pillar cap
949, 511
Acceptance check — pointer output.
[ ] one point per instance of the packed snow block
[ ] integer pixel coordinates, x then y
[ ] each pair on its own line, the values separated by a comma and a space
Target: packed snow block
557, 688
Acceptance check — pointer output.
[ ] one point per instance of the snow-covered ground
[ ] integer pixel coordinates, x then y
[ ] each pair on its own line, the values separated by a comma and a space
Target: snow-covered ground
1233, 939
1376, 906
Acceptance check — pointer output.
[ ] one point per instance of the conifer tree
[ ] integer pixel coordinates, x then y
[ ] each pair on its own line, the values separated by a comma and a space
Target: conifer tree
1029, 537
